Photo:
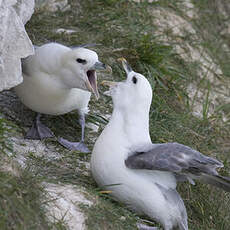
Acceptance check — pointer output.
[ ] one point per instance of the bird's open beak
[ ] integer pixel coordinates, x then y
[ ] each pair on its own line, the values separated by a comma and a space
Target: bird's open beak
109, 83
125, 65
127, 69
91, 81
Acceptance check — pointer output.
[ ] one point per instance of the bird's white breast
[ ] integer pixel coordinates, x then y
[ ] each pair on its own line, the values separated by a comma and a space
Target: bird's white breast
136, 188
42, 94
42, 89
133, 187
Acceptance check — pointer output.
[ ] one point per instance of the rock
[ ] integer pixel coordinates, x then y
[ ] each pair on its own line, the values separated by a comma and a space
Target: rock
24, 9
52, 5
167, 20
14, 41
63, 205
65, 31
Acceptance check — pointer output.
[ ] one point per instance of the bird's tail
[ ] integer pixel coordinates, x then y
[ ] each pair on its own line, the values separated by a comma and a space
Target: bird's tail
217, 180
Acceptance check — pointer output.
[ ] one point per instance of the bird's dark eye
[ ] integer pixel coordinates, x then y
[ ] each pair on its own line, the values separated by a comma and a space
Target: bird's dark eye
134, 79
82, 61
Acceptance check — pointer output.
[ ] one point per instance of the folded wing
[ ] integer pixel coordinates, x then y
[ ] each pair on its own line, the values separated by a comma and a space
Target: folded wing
183, 161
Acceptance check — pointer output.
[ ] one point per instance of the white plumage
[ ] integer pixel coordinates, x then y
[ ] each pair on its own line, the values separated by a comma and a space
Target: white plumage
57, 80
139, 173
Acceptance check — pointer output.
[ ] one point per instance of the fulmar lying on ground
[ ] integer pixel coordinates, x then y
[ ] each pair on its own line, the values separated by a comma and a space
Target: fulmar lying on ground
139, 173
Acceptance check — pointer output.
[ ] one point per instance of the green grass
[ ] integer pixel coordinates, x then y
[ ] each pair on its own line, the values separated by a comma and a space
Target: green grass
20, 202
6, 129
22, 198
124, 28
106, 214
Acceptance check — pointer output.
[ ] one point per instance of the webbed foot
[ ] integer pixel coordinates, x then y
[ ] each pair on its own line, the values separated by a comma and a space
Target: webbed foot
38, 130
79, 146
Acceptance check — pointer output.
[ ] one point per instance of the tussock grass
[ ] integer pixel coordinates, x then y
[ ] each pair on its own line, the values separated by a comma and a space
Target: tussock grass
20, 202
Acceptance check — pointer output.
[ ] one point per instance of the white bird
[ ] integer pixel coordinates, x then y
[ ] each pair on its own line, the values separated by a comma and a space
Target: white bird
56, 80
139, 173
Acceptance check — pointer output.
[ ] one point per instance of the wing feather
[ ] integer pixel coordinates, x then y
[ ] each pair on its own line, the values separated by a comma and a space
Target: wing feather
180, 160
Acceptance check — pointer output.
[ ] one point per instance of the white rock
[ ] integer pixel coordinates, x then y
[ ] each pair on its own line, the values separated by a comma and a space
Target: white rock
167, 20
24, 9
188, 8
63, 205
52, 5
23, 147
14, 41
65, 31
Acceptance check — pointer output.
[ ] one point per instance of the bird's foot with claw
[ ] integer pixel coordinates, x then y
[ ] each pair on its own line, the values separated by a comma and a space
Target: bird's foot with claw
146, 227
79, 146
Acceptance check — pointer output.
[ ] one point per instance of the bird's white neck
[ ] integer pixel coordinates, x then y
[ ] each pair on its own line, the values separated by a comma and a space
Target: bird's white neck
132, 125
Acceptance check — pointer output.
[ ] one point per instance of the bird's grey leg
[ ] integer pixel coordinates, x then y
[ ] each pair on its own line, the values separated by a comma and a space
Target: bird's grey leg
38, 130
80, 146
82, 123
146, 227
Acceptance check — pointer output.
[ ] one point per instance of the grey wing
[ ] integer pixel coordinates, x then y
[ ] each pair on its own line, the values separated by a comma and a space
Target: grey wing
172, 197
182, 160
24, 65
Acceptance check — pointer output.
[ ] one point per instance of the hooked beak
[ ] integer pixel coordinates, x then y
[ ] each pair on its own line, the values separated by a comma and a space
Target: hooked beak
125, 65
113, 84
109, 83
101, 66
91, 81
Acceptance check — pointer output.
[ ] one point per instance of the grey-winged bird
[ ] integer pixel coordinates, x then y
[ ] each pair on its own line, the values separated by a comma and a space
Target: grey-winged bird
56, 80
139, 173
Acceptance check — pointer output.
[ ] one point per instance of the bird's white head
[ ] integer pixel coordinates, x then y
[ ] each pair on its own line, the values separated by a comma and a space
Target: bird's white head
134, 94
79, 67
